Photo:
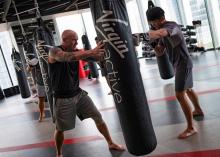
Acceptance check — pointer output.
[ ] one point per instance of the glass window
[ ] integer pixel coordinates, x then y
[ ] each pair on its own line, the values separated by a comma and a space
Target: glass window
214, 14
196, 10
89, 26
171, 10
6, 46
134, 16
170, 7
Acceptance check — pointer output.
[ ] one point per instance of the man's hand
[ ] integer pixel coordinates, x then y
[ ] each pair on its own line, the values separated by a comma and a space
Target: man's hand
98, 51
159, 49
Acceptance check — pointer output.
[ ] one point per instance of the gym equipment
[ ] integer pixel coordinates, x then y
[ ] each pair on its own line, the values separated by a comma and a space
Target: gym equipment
113, 28
11, 91
92, 64
190, 37
147, 49
20, 73
164, 65
30, 53
44, 41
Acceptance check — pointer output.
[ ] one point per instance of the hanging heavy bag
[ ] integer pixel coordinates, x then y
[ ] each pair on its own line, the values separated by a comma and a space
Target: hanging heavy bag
44, 41
20, 73
30, 53
112, 26
92, 64
164, 65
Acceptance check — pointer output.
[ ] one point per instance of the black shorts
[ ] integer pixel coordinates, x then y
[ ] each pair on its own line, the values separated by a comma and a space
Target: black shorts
183, 78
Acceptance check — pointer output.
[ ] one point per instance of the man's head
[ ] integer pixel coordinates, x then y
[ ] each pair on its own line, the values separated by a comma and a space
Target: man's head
155, 17
69, 39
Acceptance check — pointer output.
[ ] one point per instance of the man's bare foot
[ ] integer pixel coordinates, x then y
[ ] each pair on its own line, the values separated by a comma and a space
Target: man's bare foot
198, 113
187, 133
114, 146
59, 156
40, 119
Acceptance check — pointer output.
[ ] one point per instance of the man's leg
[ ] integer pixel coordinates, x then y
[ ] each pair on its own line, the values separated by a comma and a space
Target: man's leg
41, 108
87, 109
103, 129
190, 130
59, 137
195, 101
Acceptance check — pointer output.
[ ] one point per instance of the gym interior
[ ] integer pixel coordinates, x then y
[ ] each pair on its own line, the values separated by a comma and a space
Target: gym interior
136, 93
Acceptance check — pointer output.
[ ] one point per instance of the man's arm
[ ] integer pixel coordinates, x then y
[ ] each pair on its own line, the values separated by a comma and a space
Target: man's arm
156, 34
58, 55
174, 35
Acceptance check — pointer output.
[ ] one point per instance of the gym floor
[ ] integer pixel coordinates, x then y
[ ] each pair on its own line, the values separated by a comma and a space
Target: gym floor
22, 135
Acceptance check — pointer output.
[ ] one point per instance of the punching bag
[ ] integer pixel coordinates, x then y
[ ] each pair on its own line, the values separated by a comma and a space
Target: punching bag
30, 53
20, 73
164, 65
92, 64
44, 41
112, 26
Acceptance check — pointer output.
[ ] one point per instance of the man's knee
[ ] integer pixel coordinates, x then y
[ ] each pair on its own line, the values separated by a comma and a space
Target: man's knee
180, 94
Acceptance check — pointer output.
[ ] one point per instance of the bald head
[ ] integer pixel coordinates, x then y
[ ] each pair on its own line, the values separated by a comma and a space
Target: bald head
68, 33
69, 38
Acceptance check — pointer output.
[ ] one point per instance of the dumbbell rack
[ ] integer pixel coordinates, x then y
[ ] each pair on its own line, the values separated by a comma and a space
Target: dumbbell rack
191, 41
190, 38
147, 50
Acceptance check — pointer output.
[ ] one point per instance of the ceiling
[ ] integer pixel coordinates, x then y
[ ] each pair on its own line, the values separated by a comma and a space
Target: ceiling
29, 29
26, 10
46, 7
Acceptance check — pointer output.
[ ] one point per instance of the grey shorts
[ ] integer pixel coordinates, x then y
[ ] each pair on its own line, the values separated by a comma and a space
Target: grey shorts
183, 79
66, 109
40, 91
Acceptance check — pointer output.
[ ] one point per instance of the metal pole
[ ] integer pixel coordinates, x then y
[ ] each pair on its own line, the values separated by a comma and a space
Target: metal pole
6, 66
19, 20
6, 9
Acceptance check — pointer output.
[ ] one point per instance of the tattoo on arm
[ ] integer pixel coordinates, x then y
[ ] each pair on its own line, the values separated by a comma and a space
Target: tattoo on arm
62, 56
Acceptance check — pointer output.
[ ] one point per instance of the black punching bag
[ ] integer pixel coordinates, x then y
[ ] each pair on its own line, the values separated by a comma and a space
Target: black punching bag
92, 64
44, 41
112, 26
30, 53
164, 65
20, 73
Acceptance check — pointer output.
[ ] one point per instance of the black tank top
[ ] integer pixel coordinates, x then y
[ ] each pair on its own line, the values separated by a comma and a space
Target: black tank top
64, 78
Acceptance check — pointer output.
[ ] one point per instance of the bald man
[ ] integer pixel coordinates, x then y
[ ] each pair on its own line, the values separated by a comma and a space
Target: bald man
69, 99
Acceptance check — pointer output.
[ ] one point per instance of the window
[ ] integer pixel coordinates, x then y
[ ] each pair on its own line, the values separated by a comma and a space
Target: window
6, 46
89, 26
196, 10
171, 10
134, 16
214, 14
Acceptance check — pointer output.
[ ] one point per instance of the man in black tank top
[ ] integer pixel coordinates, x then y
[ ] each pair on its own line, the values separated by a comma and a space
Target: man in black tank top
69, 99
172, 42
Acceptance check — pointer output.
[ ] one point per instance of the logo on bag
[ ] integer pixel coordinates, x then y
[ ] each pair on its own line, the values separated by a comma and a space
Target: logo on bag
108, 24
